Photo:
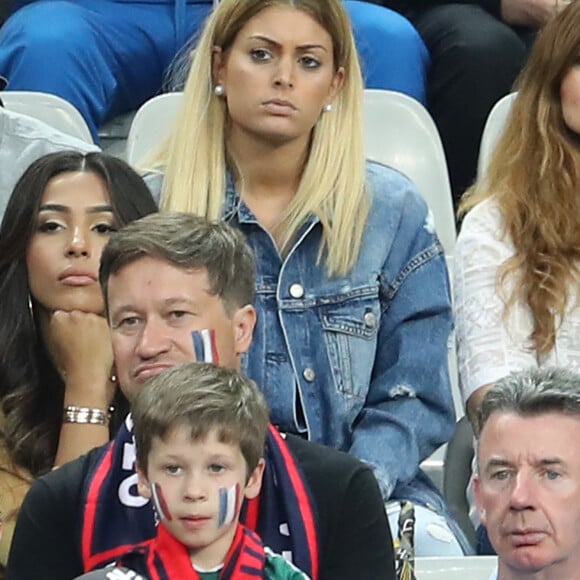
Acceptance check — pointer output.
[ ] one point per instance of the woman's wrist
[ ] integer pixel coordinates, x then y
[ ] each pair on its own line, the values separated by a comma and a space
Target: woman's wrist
86, 415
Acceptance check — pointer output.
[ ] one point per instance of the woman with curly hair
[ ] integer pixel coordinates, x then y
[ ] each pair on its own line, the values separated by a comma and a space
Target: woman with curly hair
58, 395
518, 254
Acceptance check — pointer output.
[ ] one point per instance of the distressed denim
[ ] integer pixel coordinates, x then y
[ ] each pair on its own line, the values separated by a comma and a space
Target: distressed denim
358, 362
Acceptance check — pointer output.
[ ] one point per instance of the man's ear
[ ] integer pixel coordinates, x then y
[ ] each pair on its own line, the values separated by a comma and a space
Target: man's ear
244, 321
254, 484
479, 499
143, 486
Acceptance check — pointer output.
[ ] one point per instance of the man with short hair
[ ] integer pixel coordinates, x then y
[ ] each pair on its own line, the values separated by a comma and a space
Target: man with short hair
164, 278
527, 488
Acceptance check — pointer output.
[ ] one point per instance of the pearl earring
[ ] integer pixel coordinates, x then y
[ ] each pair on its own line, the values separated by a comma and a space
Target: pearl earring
328, 108
219, 90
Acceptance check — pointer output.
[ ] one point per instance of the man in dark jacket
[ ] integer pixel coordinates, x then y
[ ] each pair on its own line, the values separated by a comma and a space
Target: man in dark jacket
167, 281
477, 49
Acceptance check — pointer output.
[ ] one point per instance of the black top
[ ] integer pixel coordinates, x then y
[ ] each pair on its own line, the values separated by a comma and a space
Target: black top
5, 9
411, 8
353, 531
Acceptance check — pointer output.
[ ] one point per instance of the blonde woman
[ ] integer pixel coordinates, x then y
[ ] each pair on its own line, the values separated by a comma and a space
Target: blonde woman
516, 275
352, 291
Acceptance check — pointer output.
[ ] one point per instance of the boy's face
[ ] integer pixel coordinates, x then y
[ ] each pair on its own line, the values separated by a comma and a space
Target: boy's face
190, 478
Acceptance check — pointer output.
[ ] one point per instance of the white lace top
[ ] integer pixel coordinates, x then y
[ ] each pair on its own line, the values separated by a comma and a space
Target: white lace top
489, 345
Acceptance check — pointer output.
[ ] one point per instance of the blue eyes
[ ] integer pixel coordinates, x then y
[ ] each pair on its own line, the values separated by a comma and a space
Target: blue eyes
505, 474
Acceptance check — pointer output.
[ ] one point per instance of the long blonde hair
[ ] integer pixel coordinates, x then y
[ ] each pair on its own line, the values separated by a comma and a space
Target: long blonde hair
534, 177
332, 185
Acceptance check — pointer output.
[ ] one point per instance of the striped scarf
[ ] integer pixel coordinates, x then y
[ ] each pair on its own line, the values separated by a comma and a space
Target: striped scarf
116, 518
165, 558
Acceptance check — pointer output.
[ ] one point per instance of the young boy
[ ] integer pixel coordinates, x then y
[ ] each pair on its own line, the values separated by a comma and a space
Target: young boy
200, 432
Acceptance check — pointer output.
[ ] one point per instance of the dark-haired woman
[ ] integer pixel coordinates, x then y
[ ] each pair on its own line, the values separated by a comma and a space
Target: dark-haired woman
57, 385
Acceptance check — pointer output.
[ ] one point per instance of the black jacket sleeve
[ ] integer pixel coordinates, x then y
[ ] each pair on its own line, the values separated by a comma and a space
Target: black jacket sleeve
5, 9
353, 531
411, 8
354, 535
46, 542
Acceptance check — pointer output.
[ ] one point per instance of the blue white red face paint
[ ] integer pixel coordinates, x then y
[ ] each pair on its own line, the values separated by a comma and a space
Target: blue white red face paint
159, 502
229, 504
204, 346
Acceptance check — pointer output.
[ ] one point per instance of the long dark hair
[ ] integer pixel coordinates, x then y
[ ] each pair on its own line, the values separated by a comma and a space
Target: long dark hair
31, 389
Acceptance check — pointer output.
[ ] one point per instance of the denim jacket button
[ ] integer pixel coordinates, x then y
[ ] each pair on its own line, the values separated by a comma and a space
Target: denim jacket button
370, 320
308, 374
296, 291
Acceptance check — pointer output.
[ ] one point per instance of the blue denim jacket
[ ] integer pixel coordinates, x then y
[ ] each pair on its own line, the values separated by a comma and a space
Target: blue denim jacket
359, 362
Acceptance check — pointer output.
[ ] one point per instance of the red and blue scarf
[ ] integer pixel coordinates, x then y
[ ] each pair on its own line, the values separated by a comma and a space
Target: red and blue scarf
116, 518
165, 558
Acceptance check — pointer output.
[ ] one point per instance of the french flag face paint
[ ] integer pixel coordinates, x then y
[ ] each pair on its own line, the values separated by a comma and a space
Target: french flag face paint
204, 346
229, 504
159, 502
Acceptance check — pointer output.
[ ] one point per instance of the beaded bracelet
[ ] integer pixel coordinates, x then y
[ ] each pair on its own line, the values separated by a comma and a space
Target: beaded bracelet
85, 415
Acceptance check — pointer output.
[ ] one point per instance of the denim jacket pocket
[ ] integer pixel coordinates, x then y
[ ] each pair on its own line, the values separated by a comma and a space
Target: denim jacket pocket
350, 329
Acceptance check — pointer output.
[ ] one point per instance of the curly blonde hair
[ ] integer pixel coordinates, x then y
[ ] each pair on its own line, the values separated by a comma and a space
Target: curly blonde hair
534, 177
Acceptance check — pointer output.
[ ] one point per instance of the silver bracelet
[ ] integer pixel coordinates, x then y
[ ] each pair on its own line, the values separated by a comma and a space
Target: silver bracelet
85, 415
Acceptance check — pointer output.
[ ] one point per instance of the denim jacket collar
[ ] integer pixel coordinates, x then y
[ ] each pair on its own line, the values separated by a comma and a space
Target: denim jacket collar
232, 203
235, 207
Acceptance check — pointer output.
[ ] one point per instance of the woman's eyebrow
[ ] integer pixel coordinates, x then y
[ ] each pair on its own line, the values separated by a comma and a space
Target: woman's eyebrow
66, 209
309, 46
